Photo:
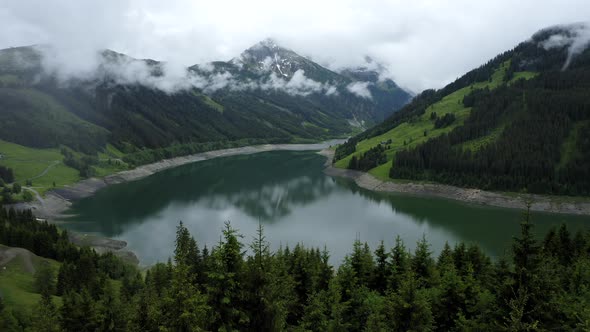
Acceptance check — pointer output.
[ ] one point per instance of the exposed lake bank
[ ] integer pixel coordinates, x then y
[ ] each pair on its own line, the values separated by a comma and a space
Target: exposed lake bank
541, 203
182, 188
56, 202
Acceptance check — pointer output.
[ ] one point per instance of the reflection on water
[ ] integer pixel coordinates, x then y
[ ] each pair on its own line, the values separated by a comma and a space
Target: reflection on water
289, 194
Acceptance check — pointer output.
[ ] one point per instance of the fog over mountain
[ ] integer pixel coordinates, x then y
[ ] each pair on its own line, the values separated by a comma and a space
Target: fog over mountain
407, 37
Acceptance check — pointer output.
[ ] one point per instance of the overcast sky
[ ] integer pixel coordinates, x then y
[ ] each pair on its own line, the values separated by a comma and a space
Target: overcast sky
424, 44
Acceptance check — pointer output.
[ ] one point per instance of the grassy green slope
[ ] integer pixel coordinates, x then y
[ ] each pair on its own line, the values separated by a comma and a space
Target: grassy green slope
45, 166
30, 163
569, 145
16, 283
527, 75
412, 132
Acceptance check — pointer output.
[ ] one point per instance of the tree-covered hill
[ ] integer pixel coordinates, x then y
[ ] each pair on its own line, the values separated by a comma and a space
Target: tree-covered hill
518, 123
140, 104
113, 112
541, 286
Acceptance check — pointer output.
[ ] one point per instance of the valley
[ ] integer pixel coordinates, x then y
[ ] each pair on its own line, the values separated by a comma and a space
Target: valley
382, 166
505, 126
288, 193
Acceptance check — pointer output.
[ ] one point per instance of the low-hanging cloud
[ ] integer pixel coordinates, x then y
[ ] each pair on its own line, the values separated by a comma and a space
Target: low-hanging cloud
422, 43
298, 84
120, 69
163, 76
575, 37
172, 78
361, 89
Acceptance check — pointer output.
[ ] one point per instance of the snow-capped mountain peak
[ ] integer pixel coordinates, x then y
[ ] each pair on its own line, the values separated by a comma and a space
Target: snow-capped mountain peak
269, 56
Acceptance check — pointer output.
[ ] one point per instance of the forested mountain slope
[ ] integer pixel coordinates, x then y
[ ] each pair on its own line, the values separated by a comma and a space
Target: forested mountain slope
66, 119
521, 122
136, 104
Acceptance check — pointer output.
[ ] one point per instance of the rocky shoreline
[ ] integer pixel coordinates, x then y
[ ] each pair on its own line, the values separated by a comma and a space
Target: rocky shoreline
56, 202
519, 201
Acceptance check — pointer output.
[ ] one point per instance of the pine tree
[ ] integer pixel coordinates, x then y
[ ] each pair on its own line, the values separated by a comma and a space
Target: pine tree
301, 272
451, 301
66, 278
45, 315
400, 263
185, 308
526, 251
8, 322
316, 314
79, 312
131, 284
382, 269
148, 315
326, 270
566, 248
265, 302
362, 263
535, 281
44, 279
111, 311
408, 308
423, 264
445, 259
225, 288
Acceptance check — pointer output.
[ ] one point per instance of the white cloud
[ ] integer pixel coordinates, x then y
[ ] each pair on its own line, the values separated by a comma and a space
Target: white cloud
577, 39
423, 43
360, 89
298, 84
56, 62
206, 67
332, 91
266, 64
170, 77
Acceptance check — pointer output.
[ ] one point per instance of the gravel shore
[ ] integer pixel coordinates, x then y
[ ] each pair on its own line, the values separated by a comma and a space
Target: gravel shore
55, 202
541, 203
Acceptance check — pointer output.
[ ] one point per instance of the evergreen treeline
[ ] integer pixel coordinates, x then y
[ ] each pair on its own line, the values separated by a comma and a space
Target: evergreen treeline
418, 105
370, 159
21, 229
146, 156
84, 164
37, 111
6, 174
533, 132
539, 116
413, 109
542, 286
444, 121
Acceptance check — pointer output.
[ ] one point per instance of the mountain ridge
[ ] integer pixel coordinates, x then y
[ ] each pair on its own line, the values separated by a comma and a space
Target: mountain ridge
138, 101
515, 123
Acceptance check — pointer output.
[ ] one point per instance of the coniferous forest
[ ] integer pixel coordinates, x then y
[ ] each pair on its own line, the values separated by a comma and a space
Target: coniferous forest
528, 154
196, 150
526, 135
241, 285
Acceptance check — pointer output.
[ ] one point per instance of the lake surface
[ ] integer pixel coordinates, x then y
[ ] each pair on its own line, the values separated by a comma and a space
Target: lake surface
296, 202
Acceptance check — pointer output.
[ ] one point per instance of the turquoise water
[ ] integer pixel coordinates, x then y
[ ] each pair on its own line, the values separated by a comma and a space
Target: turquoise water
296, 202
